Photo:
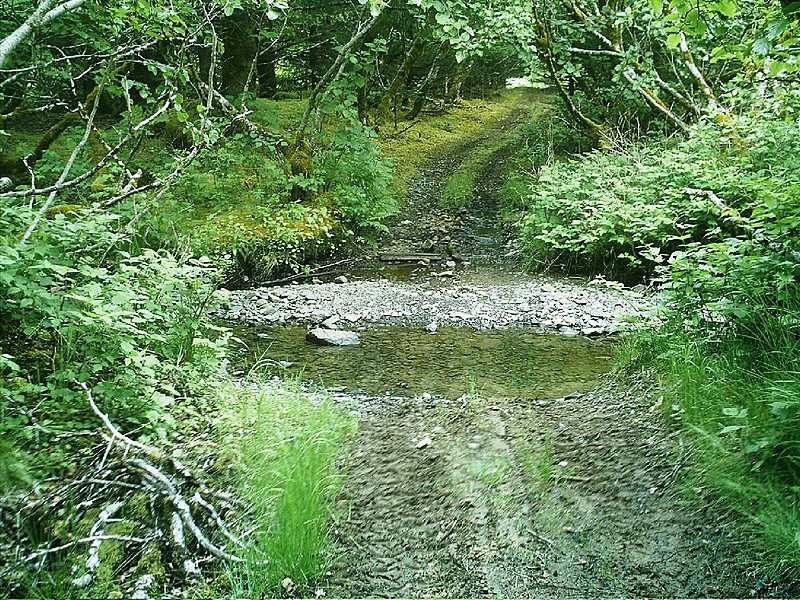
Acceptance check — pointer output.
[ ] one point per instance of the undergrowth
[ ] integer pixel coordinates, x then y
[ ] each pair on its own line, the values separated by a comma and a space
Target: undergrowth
736, 396
291, 445
257, 213
713, 220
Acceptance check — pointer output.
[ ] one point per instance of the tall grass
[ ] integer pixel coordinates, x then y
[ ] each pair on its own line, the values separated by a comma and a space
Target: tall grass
735, 391
291, 448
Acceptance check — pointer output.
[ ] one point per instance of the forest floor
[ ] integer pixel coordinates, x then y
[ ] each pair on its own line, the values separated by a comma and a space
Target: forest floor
551, 494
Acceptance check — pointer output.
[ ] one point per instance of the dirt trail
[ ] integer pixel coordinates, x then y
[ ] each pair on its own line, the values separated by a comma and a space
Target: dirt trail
489, 497
535, 496
473, 233
522, 497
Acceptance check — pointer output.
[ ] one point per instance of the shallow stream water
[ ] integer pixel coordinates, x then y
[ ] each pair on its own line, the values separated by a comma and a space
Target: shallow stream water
411, 361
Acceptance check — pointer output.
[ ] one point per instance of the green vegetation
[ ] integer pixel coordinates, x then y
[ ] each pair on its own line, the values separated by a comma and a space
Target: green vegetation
233, 205
416, 142
715, 218
737, 399
153, 150
707, 211
290, 480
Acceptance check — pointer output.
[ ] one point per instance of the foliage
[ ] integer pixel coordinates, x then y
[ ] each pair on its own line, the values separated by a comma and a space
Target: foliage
128, 322
235, 202
290, 478
737, 399
543, 141
623, 213
714, 217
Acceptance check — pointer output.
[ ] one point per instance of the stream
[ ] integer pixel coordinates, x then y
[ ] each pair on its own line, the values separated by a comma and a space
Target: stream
496, 455
511, 362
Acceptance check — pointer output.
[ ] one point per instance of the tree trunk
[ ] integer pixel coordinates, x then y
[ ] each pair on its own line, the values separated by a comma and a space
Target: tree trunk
456, 82
267, 77
414, 54
238, 34
433, 73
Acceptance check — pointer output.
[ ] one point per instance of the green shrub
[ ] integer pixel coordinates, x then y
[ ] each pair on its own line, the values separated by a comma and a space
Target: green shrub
624, 213
81, 306
729, 346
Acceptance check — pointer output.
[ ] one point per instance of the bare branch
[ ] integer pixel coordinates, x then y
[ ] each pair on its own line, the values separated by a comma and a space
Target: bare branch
97, 167
167, 489
67, 168
652, 98
333, 72
47, 11
613, 53
697, 74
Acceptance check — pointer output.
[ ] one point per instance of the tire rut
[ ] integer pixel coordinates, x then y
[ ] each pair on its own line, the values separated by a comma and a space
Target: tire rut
503, 498
396, 540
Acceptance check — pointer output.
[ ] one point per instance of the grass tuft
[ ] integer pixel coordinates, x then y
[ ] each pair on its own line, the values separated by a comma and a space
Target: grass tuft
735, 392
290, 451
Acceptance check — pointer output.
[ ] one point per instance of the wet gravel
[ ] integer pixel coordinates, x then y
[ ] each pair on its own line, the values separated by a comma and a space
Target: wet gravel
546, 304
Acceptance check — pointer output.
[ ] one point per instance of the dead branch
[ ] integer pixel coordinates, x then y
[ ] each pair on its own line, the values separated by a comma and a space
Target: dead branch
86, 540
67, 168
48, 10
166, 487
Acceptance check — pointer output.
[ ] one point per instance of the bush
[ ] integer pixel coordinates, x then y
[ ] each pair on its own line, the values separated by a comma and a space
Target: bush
715, 219
622, 214
241, 204
81, 305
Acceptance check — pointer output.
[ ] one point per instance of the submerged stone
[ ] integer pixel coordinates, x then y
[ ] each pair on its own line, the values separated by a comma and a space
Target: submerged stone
332, 337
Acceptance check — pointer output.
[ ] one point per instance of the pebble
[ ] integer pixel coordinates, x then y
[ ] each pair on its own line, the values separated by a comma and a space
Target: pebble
330, 322
540, 303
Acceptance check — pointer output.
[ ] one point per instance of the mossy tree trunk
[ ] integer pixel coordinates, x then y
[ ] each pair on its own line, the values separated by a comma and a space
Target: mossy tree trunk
389, 98
433, 73
456, 83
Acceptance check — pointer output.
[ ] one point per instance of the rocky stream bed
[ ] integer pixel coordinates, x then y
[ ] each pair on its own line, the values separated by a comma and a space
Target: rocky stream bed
546, 304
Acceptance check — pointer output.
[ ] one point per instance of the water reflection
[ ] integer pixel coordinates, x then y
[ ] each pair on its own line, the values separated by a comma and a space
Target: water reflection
451, 362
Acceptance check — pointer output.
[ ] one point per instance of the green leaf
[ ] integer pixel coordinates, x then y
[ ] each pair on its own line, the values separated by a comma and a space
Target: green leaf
776, 67
776, 28
762, 47
730, 429
726, 7
674, 40
656, 5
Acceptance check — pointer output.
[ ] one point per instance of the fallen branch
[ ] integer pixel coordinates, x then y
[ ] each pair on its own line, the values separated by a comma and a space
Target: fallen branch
87, 540
184, 511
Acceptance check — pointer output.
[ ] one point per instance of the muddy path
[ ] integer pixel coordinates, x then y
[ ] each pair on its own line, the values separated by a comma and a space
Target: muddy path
472, 234
504, 498
538, 496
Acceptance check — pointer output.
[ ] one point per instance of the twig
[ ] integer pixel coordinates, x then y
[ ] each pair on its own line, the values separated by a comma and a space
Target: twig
220, 523
316, 272
67, 167
97, 531
402, 131
86, 540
